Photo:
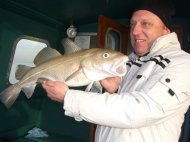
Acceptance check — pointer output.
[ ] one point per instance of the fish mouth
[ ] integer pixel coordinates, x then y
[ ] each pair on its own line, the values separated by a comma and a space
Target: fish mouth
121, 68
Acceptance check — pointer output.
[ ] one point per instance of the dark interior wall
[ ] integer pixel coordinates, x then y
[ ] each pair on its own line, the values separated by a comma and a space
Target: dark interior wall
13, 26
185, 23
39, 110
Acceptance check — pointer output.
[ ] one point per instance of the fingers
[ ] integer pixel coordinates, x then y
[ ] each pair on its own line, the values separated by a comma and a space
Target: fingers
111, 84
55, 90
49, 86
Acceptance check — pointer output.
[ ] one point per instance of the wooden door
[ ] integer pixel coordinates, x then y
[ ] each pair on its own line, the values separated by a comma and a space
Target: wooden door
114, 35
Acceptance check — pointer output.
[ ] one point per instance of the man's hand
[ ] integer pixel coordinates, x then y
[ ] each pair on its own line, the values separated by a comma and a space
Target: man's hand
55, 90
111, 84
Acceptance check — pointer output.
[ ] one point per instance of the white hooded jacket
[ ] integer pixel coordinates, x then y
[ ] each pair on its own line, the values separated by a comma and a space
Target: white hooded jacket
150, 105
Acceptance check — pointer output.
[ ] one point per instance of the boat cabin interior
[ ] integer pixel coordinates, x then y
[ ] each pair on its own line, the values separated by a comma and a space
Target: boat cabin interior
26, 27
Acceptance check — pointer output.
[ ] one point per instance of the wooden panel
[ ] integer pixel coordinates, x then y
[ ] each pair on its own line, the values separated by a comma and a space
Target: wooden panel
104, 24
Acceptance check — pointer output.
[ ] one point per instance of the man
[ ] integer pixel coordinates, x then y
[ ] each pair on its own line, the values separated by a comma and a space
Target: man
152, 97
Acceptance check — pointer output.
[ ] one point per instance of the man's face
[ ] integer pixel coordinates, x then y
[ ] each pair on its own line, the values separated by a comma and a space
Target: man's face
145, 28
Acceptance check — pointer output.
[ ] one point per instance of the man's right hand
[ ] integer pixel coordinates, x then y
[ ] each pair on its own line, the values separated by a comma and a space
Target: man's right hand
111, 84
55, 90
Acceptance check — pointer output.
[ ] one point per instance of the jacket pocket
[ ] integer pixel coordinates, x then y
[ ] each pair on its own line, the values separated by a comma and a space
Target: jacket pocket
165, 93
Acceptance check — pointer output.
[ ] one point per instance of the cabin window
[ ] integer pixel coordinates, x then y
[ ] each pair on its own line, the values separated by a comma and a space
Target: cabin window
25, 51
112, 34
113, 39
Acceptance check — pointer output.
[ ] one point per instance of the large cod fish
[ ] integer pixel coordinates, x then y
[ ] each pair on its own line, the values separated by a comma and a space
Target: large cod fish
80, 68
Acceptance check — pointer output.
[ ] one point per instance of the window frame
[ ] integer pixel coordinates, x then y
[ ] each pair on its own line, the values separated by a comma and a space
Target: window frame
14, 51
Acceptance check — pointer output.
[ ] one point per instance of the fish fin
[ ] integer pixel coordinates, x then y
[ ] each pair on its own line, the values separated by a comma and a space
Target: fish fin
88, 88
9, 95
77, 77
96, 87
46, 54
29, 90
21, 70
74, 75
70, 46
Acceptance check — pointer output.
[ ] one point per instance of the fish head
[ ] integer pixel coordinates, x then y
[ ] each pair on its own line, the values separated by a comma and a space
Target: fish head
104, 63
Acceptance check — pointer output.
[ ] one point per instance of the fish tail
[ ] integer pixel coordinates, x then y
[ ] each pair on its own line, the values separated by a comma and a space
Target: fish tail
9, 95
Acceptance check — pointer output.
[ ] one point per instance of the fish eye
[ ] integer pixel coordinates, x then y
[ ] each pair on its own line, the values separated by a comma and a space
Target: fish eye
106, 55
